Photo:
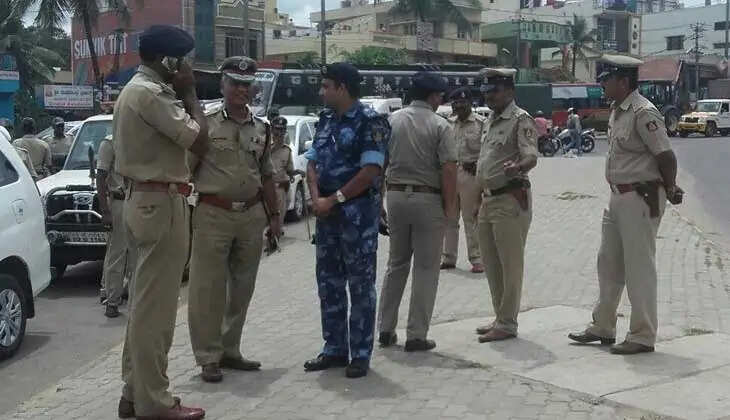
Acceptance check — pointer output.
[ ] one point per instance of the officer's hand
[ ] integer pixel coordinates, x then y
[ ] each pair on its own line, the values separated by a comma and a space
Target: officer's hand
477, 208
675, 195
511, 168
322, 206
106, 219
275, 227
183, 81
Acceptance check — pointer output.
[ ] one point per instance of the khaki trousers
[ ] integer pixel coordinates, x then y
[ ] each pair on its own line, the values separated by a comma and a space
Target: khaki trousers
115, 260
158, 226
281, 196
417, 223
503, 228
627, 259
226, 251
468, 201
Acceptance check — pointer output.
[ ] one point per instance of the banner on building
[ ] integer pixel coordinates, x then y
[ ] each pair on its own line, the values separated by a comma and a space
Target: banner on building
67, 97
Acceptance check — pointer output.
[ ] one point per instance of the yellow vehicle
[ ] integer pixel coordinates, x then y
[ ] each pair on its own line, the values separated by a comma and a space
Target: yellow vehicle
712, 116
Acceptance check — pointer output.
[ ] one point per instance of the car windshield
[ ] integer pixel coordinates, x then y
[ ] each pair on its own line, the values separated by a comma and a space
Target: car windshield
90, 135
708, 106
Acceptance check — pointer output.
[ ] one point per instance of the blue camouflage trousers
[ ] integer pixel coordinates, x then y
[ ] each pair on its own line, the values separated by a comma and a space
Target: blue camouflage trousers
347, 244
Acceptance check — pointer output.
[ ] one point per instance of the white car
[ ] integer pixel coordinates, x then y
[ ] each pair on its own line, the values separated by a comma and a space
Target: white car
301, 131
383, 106
25, 268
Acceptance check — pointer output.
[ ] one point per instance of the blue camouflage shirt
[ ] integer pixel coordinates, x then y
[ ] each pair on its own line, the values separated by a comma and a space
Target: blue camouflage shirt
343, 146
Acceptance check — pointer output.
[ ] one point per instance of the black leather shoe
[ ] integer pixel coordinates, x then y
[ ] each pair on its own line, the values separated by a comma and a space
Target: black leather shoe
420, 345
211, 373
111, 311
357, 368
387, 339
324, 361
447, 266
239, 364
126, 409
628, 347
586, 337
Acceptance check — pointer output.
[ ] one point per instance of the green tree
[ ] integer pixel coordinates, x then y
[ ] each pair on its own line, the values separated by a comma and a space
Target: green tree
430, 10
371, 55
581, 41
52, 13
309, 59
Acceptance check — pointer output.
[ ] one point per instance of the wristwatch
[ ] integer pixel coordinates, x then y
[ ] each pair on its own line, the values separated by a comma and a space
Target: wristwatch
340, 197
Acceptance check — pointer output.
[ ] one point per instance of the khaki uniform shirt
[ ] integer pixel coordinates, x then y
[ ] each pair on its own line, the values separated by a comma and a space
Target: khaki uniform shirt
25, 157
511, 135
60, 145
636, 133
105, 162
421, 142
40, 153
238, 160
152, 131
468, 136
283, 164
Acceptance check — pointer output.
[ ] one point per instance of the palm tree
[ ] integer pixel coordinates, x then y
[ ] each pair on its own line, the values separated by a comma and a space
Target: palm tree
52, 13
581, 41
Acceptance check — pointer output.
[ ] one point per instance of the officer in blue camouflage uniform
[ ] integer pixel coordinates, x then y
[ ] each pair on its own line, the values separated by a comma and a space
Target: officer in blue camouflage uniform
344, 173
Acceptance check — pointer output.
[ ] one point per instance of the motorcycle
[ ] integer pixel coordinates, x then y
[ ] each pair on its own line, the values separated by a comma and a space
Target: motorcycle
548, 145
588, 136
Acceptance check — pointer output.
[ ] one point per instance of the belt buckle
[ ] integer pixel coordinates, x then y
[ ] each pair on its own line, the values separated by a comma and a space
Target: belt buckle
172, 188
238, 206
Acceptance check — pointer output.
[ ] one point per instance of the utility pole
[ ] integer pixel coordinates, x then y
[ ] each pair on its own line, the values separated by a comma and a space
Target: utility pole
263, 38
517, 59
323, 35
727, 31
698, 32
245, 27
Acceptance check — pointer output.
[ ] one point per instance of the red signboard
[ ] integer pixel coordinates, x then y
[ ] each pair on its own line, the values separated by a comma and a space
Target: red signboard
116, 43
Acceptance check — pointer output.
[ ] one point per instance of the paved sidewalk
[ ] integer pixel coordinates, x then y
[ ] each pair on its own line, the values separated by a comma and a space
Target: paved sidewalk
283, 328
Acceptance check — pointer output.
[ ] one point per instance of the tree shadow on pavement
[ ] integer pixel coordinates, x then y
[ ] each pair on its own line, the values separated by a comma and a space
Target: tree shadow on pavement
372, 386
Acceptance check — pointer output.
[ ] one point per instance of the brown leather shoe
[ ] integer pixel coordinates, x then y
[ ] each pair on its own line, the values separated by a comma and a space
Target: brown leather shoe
586, 337
239, 364
211, 373
126, 409
484, 329
628, 347
495, 334
177, 412
477, 268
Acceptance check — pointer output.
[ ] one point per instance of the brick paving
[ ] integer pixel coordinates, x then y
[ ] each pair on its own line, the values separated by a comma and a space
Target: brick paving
283, 328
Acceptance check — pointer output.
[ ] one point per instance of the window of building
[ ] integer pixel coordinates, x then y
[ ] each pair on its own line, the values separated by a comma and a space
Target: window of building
718, 45
675, 43
234, 46
277, 33
720, 26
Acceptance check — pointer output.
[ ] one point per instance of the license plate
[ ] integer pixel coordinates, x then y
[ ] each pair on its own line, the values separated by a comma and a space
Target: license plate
85, 237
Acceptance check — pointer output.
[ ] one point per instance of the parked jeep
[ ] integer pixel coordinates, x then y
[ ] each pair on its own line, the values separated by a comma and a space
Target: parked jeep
712, 116
73, 218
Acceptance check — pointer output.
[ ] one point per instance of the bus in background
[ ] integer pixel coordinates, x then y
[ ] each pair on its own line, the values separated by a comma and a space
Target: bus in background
586, 98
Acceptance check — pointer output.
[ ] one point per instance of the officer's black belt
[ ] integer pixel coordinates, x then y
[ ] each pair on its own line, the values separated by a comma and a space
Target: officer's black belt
228, 204
513, 184
413, 188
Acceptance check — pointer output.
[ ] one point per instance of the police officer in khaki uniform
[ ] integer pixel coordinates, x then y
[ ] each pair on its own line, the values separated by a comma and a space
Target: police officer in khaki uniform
25, 157
40, 153
508, 153
641, 170
468, 127
421, 195
110, 187
152, 135
228, 223
281, 157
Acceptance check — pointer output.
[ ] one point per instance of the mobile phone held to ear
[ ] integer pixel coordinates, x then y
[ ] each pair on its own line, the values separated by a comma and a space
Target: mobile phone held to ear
172, 63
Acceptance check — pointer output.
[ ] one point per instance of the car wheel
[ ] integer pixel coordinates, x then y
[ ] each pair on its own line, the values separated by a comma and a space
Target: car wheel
297, 213
12, 316
683, 134
710, 130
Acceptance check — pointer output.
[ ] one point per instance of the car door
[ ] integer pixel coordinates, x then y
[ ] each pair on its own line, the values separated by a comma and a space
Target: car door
724, 116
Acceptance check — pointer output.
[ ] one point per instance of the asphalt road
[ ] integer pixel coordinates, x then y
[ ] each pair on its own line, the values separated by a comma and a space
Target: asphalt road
70, 329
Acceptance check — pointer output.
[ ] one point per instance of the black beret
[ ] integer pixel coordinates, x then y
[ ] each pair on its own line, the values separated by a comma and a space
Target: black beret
344, 73
429, 81
166, 40
461, 93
